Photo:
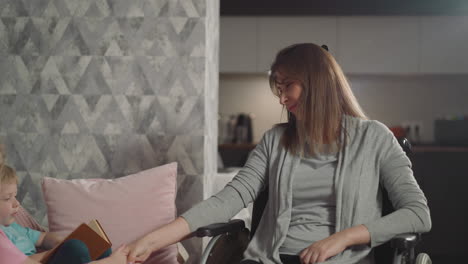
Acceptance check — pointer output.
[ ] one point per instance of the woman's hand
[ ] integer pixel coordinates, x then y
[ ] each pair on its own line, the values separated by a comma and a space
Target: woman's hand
323, 249
335, 244
139, 250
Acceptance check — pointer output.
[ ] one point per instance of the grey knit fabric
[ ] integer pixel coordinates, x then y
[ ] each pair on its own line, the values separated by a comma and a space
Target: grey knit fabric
313, 203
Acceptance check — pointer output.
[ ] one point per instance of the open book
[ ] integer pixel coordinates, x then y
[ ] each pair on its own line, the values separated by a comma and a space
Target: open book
92, 234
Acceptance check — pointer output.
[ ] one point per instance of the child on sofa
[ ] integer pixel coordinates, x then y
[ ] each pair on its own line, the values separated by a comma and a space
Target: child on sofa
26, 240
10, 254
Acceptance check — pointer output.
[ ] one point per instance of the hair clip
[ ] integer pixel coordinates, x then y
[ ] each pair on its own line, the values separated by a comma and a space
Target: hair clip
325, 47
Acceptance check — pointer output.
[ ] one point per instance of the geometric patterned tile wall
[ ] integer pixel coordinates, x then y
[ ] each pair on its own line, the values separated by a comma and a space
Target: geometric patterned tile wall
105, 88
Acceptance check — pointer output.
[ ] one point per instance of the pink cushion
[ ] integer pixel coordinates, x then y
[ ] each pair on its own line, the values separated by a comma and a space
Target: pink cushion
23, 218
127, 207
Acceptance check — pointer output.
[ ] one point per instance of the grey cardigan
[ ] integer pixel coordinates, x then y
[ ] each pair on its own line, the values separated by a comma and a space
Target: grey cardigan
371, 157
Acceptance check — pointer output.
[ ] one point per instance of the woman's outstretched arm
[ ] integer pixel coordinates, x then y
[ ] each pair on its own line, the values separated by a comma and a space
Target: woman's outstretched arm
166, 235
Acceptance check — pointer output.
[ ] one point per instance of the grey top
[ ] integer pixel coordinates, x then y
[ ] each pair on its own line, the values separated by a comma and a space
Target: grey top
371, 157
313, 203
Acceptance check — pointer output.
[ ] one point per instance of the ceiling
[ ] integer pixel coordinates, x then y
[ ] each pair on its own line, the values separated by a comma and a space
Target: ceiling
343, 7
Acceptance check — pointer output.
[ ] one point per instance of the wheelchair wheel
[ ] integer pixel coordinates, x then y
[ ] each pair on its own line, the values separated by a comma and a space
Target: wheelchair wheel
423, 258
229, 248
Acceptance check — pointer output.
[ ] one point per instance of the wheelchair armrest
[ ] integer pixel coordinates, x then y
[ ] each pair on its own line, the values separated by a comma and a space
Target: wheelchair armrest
405, 241
220, 228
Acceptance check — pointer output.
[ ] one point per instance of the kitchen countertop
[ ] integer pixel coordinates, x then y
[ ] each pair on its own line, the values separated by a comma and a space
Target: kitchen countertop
434, 147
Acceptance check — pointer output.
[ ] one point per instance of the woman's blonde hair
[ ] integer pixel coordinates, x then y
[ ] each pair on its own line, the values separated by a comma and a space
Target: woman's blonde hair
7, 174
326, 97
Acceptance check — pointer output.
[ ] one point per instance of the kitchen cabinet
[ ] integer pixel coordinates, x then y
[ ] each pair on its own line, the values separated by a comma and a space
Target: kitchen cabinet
444, 44
238, 44
361, 44
275, 33
442, 174
249, 44
378, 44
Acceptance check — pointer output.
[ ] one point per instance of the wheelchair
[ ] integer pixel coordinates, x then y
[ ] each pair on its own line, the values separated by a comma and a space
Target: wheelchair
230, 240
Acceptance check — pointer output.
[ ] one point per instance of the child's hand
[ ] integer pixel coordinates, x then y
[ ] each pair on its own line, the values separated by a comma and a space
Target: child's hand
139, 251
48, 240
120, 255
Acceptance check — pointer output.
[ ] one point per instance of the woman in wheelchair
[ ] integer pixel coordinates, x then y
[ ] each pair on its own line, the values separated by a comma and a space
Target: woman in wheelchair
323, 170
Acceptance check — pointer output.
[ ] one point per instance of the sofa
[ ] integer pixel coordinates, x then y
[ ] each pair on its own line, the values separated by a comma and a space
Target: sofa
127, 207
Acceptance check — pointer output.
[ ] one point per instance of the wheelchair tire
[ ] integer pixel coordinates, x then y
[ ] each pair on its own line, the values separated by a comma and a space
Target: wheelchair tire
423, 258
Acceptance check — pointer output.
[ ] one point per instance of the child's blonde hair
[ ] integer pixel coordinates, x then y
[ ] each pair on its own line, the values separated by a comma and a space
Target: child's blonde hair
7, 174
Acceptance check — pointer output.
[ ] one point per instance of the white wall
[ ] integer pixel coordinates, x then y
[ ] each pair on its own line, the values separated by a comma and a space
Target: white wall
392, 99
